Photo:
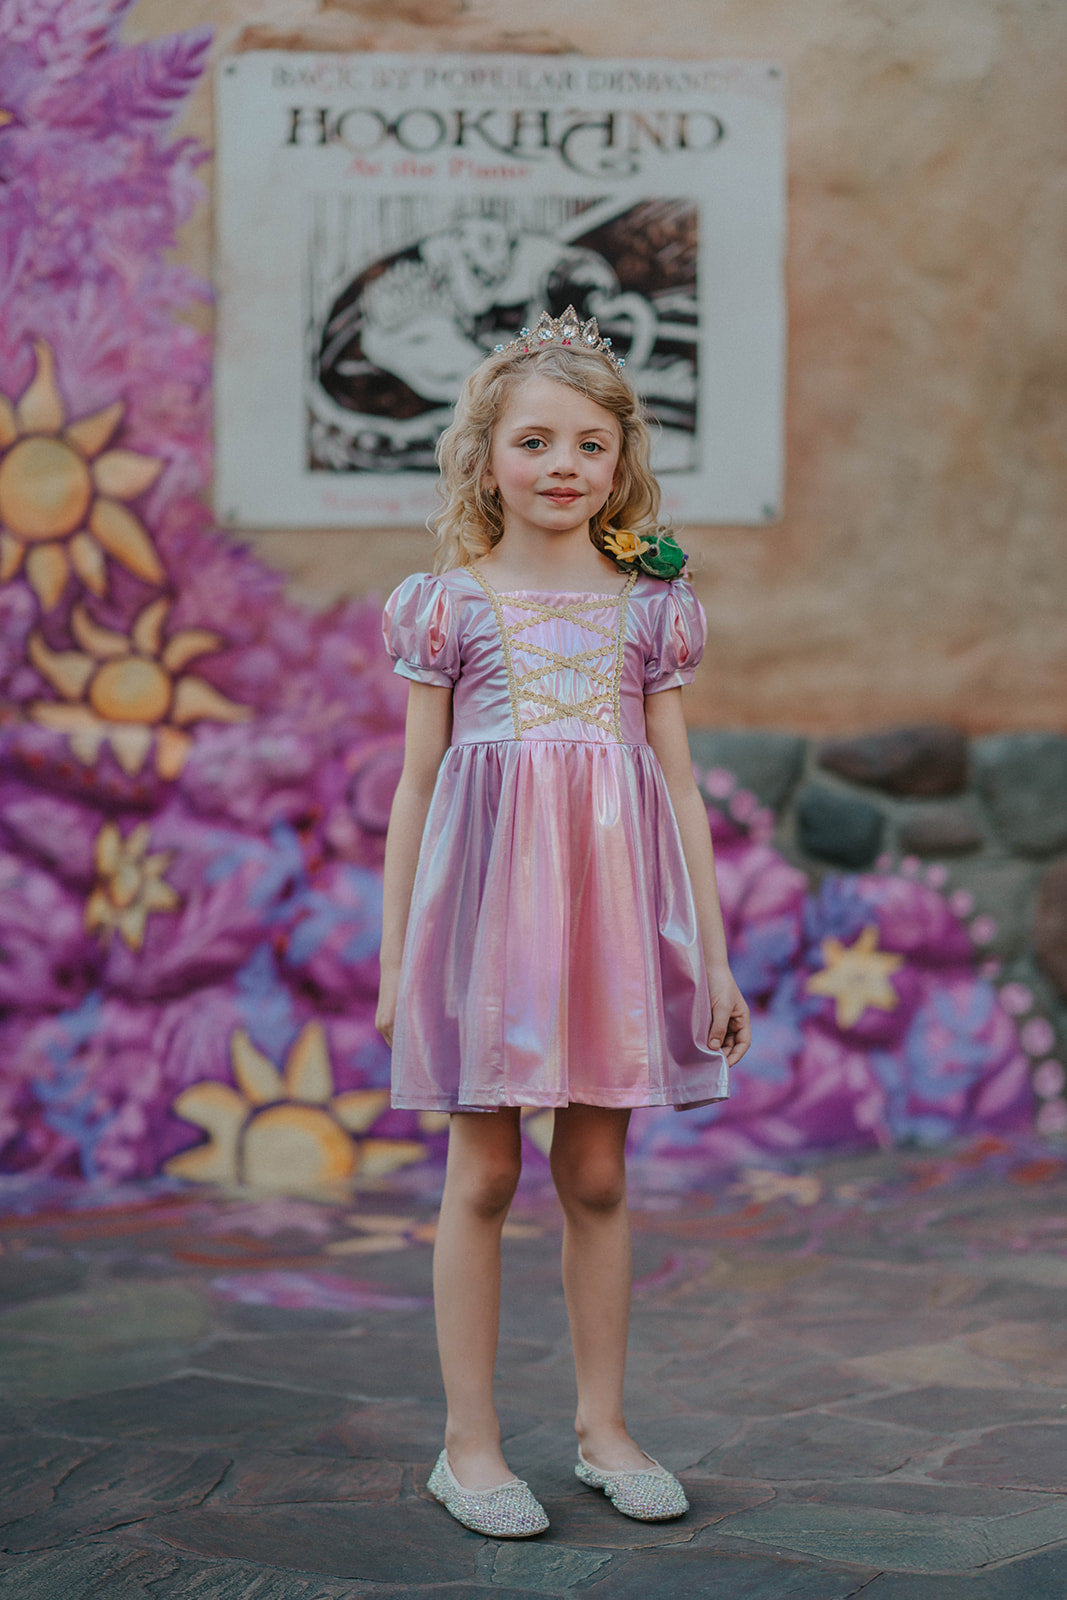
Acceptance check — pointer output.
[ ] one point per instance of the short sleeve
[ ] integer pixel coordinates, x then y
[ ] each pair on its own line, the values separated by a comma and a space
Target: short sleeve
420, 632
678, 632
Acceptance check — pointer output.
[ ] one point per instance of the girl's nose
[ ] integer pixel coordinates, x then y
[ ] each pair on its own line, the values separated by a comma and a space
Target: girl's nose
564, 463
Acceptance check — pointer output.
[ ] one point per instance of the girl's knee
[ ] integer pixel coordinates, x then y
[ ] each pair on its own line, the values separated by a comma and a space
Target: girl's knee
591, 1186
488, 1187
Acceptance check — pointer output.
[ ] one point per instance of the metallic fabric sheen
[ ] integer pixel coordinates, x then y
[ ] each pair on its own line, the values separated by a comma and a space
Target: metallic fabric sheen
552, 953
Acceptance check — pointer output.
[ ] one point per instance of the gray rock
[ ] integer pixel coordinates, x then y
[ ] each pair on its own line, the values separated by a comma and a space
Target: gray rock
925, 761
405, 1544
1023, 780
1004, 891
768, 763
1050, 924
838, 827
939, 830
121, 1484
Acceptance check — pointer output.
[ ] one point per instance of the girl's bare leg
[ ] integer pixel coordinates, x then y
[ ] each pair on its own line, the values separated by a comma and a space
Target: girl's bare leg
588, 1169
484, 1162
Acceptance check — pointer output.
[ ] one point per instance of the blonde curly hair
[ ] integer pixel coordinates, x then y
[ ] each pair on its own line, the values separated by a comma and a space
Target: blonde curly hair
471, 520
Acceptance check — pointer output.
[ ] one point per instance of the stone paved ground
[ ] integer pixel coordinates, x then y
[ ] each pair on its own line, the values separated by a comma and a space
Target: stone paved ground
859, 1371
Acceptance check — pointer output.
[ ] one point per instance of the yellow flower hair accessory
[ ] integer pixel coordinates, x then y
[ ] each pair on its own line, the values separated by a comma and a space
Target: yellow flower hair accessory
624, 545
660, 557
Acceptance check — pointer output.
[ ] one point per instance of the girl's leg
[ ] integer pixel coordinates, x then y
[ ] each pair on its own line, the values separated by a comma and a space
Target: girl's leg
588, 1169
484, 1162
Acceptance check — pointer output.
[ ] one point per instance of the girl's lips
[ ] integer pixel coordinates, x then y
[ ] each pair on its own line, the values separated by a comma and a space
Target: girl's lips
563, 495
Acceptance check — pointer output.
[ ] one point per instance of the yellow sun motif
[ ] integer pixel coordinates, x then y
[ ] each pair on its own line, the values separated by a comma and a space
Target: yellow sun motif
856, 976
125, 691
61, 492
129, 885
291, 1133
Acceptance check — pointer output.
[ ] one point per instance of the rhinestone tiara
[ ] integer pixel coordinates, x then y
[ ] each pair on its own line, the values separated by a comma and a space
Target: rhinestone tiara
567, 329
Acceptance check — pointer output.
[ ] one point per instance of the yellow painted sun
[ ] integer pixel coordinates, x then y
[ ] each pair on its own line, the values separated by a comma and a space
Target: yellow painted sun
127, 691
62, 492
129, 885
856, 976
286, 1131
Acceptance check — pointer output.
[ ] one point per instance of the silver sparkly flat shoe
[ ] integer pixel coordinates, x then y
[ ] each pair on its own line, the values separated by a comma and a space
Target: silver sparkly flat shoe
649, 1494
508, 1511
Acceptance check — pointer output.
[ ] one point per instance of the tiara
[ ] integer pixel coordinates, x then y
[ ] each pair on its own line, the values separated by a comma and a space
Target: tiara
567, 329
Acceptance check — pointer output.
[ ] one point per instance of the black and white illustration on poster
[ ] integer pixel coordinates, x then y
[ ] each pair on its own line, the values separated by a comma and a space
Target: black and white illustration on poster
385, 221
393, 339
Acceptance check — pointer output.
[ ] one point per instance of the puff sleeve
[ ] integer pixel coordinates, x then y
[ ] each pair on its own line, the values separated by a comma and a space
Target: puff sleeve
420, 631
677, 635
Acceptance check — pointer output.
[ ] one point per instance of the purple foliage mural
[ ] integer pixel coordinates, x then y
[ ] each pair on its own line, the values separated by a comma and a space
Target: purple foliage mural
195, 774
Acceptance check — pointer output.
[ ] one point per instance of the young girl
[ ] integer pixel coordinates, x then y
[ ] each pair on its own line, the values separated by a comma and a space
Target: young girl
552, 933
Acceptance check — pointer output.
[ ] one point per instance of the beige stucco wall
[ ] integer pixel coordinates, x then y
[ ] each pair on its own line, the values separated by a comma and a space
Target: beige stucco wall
919, 571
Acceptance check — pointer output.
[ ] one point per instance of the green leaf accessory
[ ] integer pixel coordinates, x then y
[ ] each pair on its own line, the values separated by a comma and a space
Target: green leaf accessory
661, 556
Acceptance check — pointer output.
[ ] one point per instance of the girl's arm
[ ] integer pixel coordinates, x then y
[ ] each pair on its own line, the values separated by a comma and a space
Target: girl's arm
665, 726
427, 732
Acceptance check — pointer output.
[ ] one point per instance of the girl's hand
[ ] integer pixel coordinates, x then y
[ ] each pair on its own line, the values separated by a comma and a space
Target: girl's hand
385, 1016
730, 1031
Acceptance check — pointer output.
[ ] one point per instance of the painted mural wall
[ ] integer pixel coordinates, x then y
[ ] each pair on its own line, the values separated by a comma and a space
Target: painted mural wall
195, 772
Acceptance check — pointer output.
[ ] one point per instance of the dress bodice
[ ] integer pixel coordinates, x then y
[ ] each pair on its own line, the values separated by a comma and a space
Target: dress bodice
531, 665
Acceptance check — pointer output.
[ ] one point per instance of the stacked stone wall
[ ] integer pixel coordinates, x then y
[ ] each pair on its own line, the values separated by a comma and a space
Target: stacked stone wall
983, 820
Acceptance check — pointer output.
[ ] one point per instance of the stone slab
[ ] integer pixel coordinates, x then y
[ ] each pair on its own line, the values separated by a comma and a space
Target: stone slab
414, 1542
896, 1541
361, 1365
947, 1361
1037, 1577
692, 1575
195, 1406
956, 1410
119, 1315
545, 1568
795, 1389
837, 828
947, 829
819, 1446
89, 1572
400, 1431
764, 761
275, 1479
31, 1278
1023, 779
924, 760
31, 1466
41, 1372
118, 1485
1026, 1455
897, 1494
116, 1572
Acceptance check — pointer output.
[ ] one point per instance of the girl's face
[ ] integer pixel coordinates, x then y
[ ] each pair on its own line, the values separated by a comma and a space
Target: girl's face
554, 457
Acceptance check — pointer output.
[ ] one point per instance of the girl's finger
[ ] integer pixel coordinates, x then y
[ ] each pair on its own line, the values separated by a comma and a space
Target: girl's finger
740, 1036
720, 1024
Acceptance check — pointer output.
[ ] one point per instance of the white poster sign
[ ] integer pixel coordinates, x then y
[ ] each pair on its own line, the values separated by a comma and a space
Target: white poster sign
385, 220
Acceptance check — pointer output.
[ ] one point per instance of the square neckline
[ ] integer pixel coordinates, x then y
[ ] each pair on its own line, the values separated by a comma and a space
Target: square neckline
565, 594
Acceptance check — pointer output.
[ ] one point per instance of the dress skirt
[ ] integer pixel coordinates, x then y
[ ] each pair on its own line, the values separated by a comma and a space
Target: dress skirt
552, 953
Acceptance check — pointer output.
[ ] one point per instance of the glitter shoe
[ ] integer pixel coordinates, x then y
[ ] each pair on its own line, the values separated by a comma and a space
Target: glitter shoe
509, 1511
650, 1494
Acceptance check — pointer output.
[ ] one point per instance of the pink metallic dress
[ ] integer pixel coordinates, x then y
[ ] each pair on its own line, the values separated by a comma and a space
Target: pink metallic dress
552, 951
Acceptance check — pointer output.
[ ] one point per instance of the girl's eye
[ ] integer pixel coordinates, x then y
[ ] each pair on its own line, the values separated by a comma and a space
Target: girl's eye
592, 446
531, 444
